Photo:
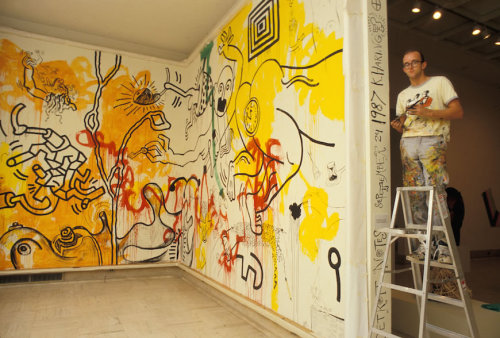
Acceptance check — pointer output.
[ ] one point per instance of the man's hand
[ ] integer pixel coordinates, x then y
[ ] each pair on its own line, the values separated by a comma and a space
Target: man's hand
398, 123
419, 110
453, 111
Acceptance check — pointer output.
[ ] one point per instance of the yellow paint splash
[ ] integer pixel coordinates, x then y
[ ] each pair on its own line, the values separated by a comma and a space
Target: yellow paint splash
201, 259
317, 224
269, 236
205, 227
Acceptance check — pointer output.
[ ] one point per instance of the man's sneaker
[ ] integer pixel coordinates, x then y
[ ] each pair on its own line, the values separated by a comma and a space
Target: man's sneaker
443, 251
419, 253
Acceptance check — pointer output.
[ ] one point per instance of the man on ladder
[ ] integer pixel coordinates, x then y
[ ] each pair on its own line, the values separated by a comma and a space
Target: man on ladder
424, 111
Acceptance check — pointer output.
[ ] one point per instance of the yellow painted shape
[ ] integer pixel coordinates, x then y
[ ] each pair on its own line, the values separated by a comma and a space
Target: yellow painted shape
317, 224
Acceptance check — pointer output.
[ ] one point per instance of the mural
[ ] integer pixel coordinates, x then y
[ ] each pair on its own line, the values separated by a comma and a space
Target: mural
233, 165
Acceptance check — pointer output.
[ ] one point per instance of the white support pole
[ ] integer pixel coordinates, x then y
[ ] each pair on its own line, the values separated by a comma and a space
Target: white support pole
368, 159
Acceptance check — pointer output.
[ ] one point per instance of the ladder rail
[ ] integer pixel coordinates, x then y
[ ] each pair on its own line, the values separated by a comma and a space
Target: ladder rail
425, 283
407, 214
421, 282
416, 275
408, 218
394, 210
457, 267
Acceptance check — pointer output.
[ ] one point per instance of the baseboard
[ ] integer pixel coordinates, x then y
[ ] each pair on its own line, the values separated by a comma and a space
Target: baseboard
484, 253
209, 284
85, 273
89, 268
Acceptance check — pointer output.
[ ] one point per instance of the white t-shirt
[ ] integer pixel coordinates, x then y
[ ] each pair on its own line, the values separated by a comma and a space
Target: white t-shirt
436, 93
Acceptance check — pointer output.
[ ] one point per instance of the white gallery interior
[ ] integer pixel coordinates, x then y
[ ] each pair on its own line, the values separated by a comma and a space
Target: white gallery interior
170, 47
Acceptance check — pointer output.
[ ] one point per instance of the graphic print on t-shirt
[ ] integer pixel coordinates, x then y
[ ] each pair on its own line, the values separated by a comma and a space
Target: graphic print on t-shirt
419, 98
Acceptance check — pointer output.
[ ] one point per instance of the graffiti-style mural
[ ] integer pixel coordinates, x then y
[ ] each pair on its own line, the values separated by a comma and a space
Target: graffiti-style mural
233, 165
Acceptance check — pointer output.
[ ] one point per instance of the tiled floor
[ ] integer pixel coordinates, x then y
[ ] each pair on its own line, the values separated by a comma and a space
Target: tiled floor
126, 304
484, 279
154, 306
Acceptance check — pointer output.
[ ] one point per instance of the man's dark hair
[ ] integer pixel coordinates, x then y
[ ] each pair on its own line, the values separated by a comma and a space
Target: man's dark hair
415, 50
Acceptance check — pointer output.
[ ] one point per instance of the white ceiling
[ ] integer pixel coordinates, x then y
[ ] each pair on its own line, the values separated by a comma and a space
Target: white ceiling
167, 29
175, 29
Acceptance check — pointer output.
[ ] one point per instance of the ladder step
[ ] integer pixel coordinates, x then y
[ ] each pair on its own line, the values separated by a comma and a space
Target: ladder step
383, 333
402, 288
432, 263
443, 331
423, 227
419, 188
446, 300
400, 232
398, 270
414, 226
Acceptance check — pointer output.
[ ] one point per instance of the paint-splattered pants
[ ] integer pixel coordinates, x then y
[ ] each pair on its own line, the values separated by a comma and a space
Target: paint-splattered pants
424, 164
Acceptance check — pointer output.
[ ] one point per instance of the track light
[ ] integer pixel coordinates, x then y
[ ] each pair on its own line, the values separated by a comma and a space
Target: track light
437, 14
476, 30
417, 7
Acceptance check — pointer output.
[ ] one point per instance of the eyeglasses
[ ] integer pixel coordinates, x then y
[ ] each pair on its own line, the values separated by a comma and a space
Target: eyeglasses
412, 63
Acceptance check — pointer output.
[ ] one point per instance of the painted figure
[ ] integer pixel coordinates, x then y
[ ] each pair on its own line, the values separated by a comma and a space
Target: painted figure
270, 135
56, 95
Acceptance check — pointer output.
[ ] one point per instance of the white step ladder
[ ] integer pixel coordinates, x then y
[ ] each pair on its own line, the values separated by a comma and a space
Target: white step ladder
421, 283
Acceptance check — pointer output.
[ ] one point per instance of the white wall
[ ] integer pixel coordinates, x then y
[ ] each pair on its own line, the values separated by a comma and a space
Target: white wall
233, 164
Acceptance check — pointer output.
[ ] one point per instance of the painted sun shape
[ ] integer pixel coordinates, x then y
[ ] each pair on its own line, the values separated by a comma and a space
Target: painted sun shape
140, 96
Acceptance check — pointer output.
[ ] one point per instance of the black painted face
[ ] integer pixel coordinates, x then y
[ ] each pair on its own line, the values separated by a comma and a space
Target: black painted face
224, 90
221, 105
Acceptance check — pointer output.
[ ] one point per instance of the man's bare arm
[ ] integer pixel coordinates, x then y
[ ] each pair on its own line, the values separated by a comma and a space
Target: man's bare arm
453, 111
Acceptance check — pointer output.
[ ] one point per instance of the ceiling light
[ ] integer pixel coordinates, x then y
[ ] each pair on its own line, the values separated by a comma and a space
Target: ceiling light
476, 30
417, 7
437, 14
486, 34
498, 41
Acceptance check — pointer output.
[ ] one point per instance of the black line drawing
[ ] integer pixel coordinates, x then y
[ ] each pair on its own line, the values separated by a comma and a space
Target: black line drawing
56, 94
199, 96
263, 27
25, 247
258, 274
113, 177
139, 96
58, 177
147, 242
336, 267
